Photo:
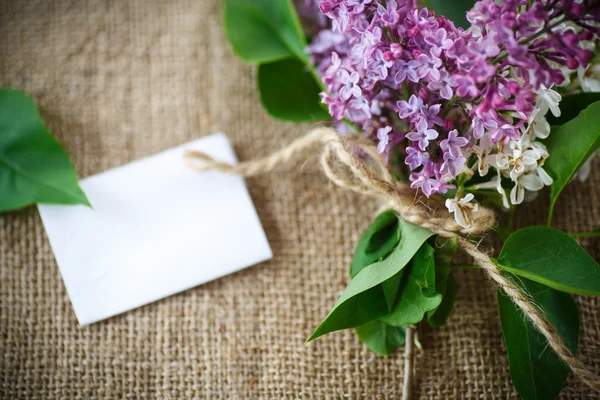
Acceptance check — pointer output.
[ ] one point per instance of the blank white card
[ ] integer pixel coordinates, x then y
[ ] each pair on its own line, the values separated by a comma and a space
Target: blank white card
156, 228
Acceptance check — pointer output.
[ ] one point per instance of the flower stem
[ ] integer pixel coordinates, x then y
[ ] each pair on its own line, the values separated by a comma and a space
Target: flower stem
408, 363
449, 106
550, 212
546, 29
531, 38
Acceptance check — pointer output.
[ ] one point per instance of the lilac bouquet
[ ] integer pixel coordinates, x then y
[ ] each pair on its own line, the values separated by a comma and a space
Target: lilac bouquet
462, 109
483, 109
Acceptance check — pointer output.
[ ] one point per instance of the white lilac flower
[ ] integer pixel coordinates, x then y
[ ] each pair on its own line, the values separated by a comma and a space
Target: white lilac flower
461, 209
522, 161
543, 153
543, 175
548, 99
540, 127
522, 158
527, 181
589, 78
482, 151
539, 148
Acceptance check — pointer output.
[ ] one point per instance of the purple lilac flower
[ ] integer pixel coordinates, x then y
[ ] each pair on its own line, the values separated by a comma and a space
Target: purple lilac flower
361, 105
425, 180
415, 158
423, 134
389, 13
439, 41
465, 86
406, 70
480, 126
357, 5
452, 164
406, 109
379, 66
349, 85
454, 143
393, 67
343, 18
430, 66
430, 114
382, 135
442, 86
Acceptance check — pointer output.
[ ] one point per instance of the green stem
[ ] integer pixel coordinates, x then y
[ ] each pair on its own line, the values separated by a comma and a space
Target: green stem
511, 219
550, 212
404, 91
584, 234
449, 106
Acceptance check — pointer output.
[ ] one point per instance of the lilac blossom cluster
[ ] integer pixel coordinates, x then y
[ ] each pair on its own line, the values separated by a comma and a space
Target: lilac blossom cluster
451, 103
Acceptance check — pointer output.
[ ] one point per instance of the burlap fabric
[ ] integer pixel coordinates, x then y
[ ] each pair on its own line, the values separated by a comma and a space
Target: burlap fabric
118, 80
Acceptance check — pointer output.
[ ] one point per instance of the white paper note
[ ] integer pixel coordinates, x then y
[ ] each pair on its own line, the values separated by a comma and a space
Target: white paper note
156, 228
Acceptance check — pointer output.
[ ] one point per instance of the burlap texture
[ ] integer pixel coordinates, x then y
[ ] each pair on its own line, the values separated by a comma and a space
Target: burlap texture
119, 80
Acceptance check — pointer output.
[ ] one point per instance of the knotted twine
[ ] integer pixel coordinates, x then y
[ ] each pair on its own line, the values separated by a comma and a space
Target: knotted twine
369, 175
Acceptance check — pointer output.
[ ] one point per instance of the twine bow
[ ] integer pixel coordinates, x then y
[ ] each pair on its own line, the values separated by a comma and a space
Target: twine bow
370, 176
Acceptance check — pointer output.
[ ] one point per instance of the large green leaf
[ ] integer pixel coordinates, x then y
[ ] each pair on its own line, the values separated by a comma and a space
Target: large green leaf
550, 257
536, 371
569, 145
264, 30
34, 168
364, 300
417, 293
571, 106
381, 338
269, 33
377, 241
288, 91
455, 10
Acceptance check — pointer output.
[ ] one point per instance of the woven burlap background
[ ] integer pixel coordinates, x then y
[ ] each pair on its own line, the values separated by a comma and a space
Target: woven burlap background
119, 80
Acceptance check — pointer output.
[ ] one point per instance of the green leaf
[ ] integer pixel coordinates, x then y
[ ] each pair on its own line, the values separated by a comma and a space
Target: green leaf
264, 30
444, 251
535, 369
377, 241
569, 145
363, 300
34, 168
571, 106
455, 10
440, 315
381, 338
550, 257
417, 294
289, 92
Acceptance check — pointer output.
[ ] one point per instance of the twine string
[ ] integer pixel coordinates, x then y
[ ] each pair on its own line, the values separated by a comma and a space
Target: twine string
352, 162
